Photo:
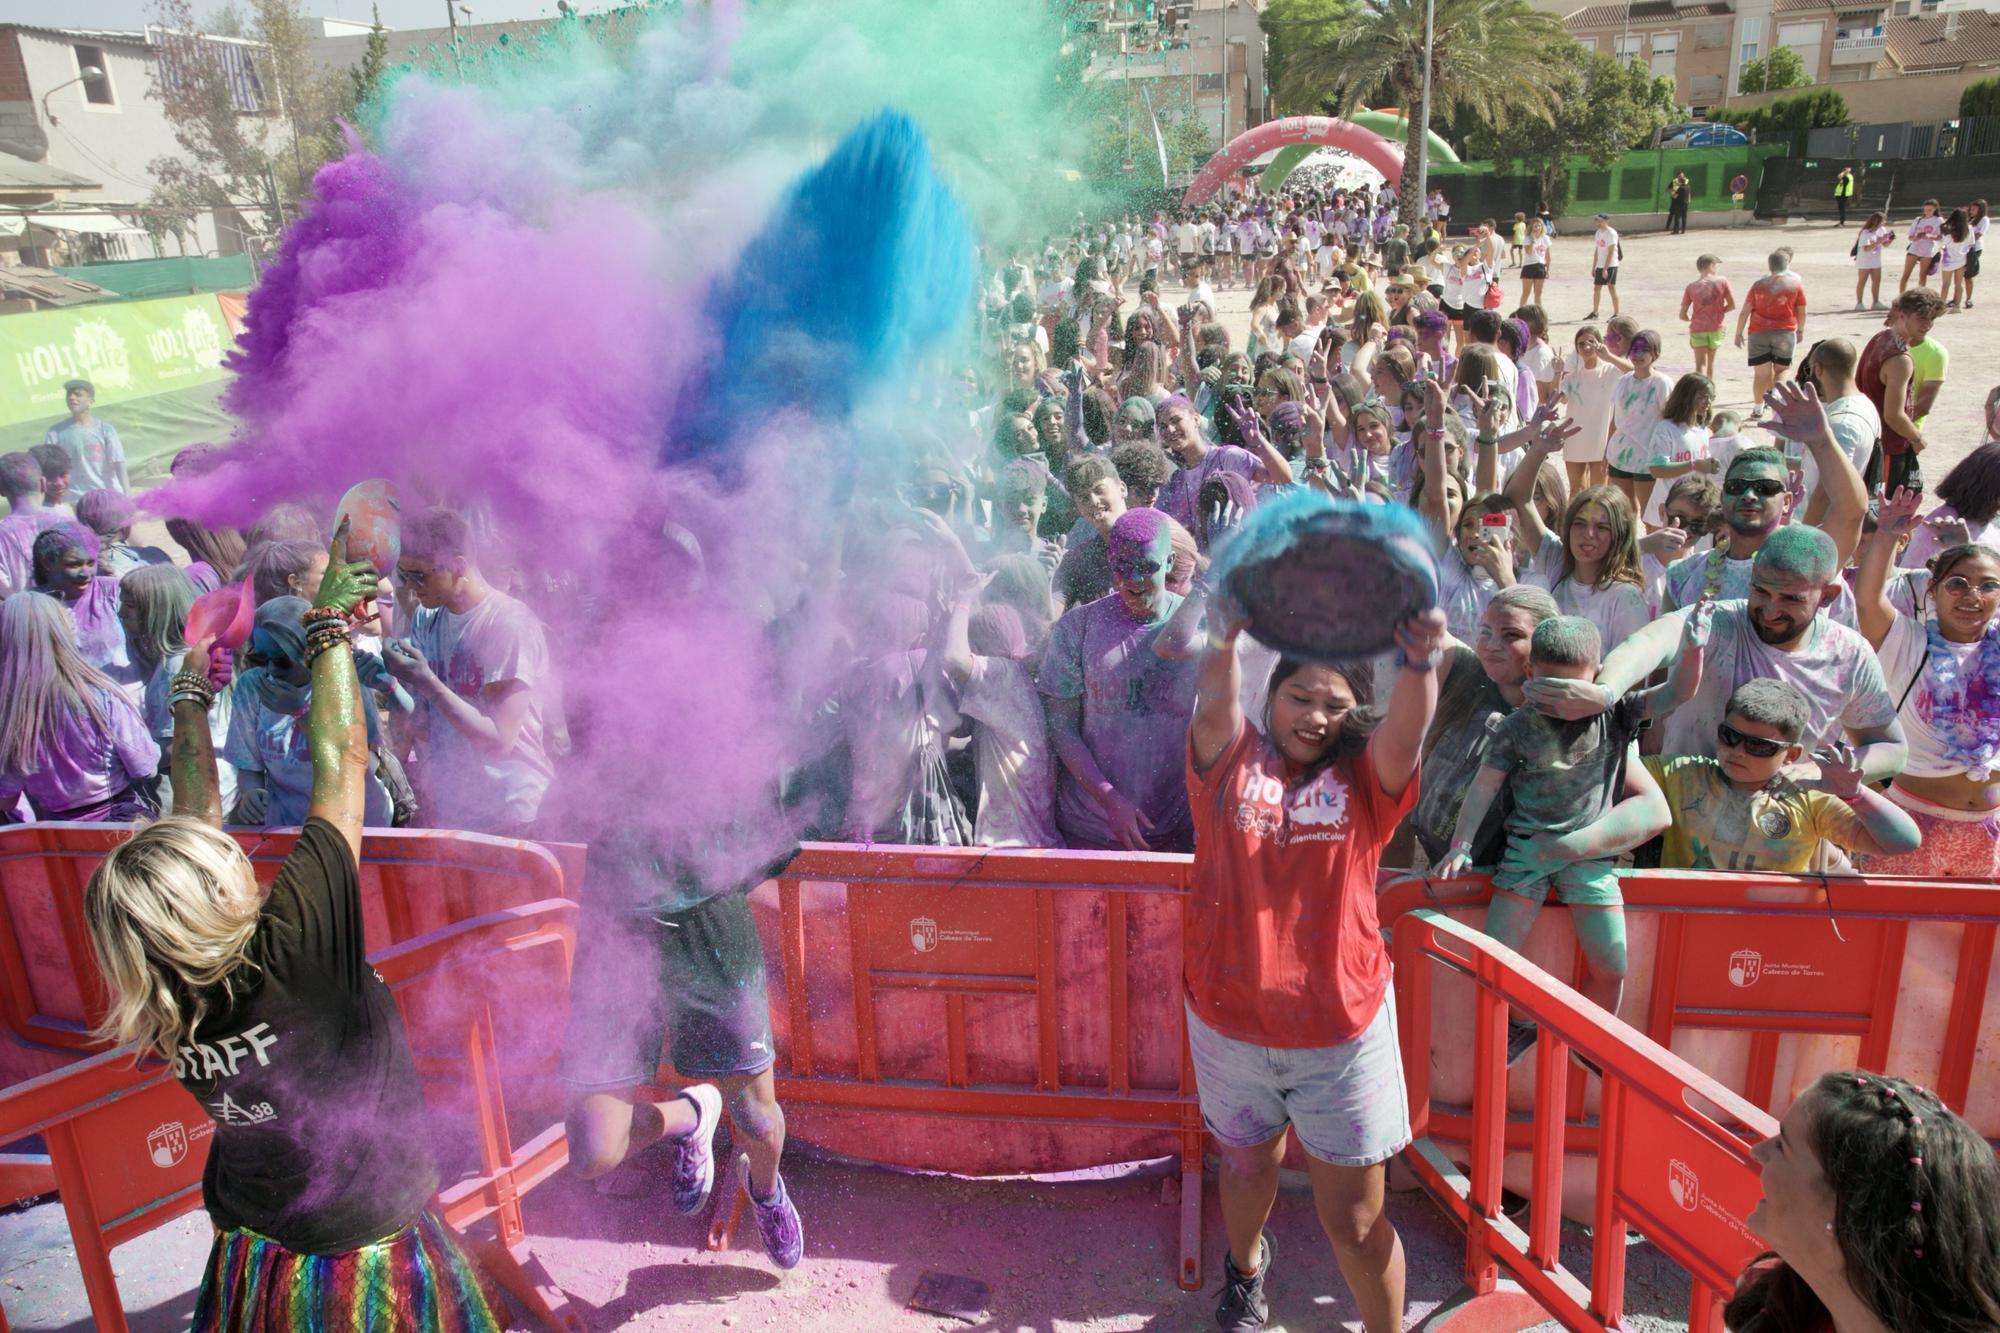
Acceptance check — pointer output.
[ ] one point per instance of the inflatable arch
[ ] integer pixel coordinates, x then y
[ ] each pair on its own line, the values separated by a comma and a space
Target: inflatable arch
1365, 135
1389, 124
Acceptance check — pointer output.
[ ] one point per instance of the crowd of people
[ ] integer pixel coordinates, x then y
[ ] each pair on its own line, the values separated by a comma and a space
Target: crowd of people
1665, 636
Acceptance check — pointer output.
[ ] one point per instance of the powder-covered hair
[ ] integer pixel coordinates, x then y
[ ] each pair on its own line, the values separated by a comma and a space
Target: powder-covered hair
1774, 703
438, 534
58, 540
159, 598
288, 522
1530, 598
105, 512
172, 912
20, 475
44, 679
272, 566
1916, 1212
1565, 641
1801, 550
1142, 466
995, 630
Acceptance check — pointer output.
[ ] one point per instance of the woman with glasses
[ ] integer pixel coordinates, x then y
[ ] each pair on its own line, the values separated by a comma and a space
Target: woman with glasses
69, 738
268, 742
1943, 665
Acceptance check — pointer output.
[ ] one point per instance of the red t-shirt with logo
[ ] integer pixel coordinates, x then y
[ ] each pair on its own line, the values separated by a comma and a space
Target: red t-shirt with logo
1282, 946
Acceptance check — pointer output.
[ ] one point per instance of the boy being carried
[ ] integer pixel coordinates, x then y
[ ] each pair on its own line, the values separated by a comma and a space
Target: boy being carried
1742, 810
1567, 822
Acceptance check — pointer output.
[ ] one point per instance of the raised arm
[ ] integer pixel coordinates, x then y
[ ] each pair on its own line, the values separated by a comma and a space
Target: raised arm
1433, 438
1398, 743
197, 794
1873, 610
336, 733
1628, 664
1218, 707
1685, 676
1799, 415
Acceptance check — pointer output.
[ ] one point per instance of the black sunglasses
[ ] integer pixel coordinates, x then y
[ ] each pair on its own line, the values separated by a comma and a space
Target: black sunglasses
1764, 487
275, 661
416, 578
1756, 746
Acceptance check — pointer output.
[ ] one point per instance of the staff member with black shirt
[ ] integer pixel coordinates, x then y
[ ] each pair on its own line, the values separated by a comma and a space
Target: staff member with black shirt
268, 1010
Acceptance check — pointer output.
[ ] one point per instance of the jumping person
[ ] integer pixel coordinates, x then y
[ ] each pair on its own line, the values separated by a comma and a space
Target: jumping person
319, 1177
1292, 815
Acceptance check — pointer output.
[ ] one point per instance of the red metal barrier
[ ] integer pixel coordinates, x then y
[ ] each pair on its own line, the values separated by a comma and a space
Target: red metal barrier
50, 997
1679, 1172
127, 1144
1764, 982
1035, 994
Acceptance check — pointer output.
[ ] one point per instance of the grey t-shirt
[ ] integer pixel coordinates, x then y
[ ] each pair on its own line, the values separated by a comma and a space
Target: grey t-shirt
1563, 775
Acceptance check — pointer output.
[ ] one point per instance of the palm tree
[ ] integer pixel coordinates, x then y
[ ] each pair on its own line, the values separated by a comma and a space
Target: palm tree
1495, 58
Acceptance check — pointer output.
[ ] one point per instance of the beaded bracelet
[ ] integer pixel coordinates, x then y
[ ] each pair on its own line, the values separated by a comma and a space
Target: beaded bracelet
328, 615
190, 687
322, 637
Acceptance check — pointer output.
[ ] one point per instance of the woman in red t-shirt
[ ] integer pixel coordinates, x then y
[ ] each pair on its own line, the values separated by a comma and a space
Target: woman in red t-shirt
1290, 1022
1882, 1210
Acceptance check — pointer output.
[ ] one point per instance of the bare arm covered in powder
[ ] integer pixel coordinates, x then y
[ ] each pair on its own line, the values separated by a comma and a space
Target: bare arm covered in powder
336, 733
1218, 708
192, 758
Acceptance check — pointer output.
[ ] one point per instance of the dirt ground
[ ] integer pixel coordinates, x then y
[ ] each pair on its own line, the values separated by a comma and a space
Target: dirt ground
1658, 267
1069, 1257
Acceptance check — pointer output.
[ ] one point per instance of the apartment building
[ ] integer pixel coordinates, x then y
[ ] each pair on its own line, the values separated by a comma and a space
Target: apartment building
1209, 52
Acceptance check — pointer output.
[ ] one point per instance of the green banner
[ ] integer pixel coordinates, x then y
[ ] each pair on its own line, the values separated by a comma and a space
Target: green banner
130, 350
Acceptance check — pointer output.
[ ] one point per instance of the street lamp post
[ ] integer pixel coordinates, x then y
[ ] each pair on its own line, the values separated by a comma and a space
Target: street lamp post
89, 74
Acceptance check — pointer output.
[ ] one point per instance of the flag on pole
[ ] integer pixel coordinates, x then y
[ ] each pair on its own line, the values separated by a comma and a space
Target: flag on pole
1158, 138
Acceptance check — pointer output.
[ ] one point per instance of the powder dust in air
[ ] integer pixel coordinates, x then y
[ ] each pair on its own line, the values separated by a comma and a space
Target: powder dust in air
666, 297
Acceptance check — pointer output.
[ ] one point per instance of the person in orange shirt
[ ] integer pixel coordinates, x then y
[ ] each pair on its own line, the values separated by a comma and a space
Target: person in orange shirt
1290, 1021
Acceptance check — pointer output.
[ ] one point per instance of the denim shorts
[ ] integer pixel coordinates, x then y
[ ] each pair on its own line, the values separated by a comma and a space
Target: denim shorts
1348, 1102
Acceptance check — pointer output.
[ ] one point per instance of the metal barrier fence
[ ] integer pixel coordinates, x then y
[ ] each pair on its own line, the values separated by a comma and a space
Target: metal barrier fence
412, 882
127, 1144
1036, 996
1679, 1173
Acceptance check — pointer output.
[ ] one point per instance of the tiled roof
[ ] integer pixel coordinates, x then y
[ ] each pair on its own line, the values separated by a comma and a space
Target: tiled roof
1647, 11
1919, 42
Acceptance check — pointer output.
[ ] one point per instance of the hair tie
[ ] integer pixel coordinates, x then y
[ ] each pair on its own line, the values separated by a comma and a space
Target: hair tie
1916, 1120
1918, 1253
1916, 1161
1916, 1205
1860, 1082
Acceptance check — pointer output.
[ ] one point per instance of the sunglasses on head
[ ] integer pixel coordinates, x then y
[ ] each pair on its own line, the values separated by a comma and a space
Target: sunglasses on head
275, 661
1765, 488
1757, 746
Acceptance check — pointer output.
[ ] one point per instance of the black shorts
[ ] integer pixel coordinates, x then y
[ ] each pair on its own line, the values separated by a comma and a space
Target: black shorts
689, 984
1454, 313
1623, 475
1972, 264
1605, 277
1534, 270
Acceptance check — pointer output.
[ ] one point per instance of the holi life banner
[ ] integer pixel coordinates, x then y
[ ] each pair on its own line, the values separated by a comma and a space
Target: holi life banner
129, 350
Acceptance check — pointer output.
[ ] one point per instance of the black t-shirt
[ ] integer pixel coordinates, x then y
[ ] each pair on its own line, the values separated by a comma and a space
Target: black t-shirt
320, 1132
1395, 254
1470, 709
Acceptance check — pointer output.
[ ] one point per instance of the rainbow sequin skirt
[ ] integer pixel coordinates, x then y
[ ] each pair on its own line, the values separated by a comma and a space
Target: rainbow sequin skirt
416, 1281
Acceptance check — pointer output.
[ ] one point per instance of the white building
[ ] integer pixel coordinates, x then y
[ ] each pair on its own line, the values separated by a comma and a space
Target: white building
106, 129
1209, 50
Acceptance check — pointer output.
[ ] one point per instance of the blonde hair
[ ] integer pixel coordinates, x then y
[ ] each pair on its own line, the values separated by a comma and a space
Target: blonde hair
44, 680
171, 911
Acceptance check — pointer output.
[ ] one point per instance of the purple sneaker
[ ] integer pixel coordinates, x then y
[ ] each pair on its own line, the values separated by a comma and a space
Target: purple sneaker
777, 1221
694, 1154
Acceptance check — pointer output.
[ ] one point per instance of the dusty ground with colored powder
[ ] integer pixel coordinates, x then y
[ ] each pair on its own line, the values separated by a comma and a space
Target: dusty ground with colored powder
1058, 1258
